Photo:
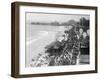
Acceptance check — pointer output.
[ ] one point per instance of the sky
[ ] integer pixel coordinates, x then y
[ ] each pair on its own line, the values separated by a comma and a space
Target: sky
47, 17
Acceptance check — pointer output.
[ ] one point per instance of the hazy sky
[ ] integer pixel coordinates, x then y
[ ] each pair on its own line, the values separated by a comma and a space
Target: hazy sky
44, 17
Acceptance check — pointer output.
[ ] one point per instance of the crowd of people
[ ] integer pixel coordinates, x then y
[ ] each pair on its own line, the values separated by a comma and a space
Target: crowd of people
65, 50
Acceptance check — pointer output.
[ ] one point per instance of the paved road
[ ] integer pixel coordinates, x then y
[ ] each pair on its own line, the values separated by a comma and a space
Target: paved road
84, 59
